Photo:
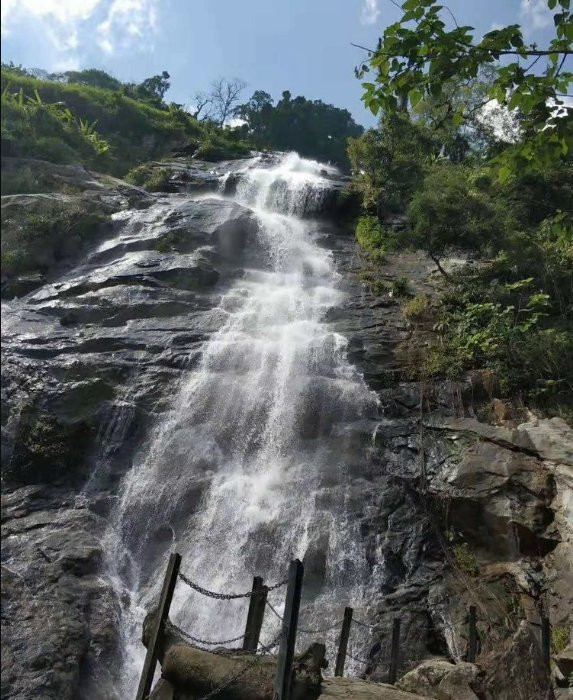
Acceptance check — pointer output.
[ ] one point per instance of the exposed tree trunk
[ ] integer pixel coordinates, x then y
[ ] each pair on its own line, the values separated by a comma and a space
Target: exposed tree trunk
196, 672
440, 268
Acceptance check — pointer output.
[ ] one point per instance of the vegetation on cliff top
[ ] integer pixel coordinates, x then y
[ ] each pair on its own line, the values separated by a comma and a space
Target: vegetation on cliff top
311, 127
98, 121
473, 151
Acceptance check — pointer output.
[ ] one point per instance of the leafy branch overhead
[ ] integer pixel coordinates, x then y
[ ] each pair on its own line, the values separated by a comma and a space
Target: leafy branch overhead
419, 56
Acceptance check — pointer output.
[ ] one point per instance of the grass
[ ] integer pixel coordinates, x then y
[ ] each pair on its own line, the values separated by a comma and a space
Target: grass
36, 242
110, 131
418, 309
152, 179
465, 559
559, 639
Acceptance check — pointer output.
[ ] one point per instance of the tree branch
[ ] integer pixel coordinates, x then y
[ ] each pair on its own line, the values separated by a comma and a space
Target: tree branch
529, 52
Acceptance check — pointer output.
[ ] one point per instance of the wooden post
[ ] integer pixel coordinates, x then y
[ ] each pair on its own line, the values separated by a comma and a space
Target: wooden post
472, 635
148, 670
283, 678
343, 643
546, 641
395, 652
255, 615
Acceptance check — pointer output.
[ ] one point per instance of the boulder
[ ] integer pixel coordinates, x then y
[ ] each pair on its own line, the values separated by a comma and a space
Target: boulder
355, 689
564, 661
438, 678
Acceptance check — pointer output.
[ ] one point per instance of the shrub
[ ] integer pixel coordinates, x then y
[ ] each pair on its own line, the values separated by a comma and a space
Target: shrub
400, 287
36, 242
465, 559
418, 309
151, 178
559, 639
369, 234
134, 129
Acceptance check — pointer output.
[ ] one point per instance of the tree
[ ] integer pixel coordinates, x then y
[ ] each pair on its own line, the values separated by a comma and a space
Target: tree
310, 127
219, 103
93, 77
155, 87
225, 95
415, 63
388, 162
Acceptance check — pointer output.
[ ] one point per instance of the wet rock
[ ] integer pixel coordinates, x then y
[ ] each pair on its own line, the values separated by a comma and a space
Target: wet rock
59, 616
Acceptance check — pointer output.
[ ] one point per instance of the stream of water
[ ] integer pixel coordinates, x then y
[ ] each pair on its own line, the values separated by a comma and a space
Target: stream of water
249, 467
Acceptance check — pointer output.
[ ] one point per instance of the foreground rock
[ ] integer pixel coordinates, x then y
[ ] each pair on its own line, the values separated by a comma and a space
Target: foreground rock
437, 678
59, 617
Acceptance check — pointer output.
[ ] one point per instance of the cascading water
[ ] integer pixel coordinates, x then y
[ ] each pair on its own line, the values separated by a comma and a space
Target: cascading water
250, 467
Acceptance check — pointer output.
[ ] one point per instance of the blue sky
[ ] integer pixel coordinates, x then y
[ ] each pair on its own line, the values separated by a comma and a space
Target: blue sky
274, 45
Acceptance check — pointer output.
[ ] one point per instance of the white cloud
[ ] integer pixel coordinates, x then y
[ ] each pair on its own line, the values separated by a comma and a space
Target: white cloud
127, 19
370, 12
535, 15
68, 24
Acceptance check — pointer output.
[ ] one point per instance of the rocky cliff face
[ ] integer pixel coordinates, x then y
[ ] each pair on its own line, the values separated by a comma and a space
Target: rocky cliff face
454, 512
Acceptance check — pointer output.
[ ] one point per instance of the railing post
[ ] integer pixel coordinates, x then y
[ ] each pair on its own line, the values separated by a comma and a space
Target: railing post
255, 615
546, 641
165, 599
343, 643
283, 678
472, 635
395, 652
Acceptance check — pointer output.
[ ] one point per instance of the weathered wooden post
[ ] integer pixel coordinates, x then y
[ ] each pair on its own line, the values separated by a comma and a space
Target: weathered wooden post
255, 615
395, 652
165, 599
472, 635
546, 641
283, 678
343, 643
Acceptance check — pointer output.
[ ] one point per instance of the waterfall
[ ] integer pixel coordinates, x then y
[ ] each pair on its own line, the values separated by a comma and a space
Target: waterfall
252, 465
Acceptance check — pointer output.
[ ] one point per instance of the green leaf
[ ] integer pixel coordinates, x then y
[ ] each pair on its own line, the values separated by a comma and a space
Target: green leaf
504, 174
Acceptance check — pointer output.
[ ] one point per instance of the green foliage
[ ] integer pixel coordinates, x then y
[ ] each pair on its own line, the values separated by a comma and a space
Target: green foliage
37, 242
418, 309
105, 128
369, 234
310, 127
414, 62
32, 127
151, 178
448, 214
521, 336
389, 162
559, 639
27, 180
465, 559
400, 287
92, 77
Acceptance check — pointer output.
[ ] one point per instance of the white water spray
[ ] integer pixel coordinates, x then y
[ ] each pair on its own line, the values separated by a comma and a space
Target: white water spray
249, 468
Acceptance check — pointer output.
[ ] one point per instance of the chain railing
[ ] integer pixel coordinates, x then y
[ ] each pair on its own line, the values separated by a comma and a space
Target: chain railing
289, 628
225, 596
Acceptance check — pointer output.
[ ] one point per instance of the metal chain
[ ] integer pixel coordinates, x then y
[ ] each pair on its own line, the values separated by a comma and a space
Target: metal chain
244, 669
204, 641
335, 626
225, 596
275, 612
363, 624
355, 658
